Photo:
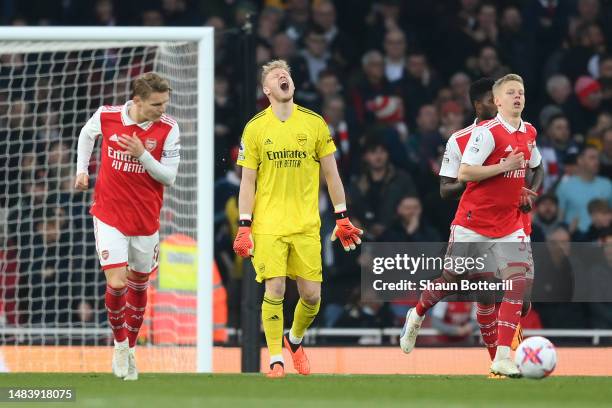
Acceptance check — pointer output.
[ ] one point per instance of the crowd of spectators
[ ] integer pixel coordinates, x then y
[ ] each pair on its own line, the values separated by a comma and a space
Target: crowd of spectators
391, 78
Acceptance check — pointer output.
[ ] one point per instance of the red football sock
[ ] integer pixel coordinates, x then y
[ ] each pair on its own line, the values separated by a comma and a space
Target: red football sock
510, 310
487, 321
429, 298
135, 307
115, 307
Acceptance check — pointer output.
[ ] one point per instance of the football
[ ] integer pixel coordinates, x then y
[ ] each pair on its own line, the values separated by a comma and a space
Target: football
536, 357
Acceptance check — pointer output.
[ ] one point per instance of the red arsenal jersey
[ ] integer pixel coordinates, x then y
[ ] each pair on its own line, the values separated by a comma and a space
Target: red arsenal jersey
490, 207
126, 196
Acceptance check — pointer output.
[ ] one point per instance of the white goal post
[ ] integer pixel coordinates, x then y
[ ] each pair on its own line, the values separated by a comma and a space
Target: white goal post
21, 38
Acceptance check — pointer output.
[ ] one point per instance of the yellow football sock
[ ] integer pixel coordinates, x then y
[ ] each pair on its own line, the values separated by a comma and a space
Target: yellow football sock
272, 318
302, 317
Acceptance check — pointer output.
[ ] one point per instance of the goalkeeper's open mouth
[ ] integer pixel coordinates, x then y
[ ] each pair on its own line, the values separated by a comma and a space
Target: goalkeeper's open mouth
284, 85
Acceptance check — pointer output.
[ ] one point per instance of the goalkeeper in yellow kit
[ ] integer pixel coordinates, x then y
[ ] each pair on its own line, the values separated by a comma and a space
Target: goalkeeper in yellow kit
282, 151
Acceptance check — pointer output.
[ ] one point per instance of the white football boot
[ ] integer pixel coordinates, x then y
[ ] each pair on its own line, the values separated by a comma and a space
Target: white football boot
132, 374
120, 358
410, 331
505, 367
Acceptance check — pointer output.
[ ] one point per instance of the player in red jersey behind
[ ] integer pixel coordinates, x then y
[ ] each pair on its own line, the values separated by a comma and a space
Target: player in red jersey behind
140, 154
494, 163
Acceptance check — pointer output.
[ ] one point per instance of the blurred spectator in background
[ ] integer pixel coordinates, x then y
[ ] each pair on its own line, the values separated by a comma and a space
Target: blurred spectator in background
409, 225
460, 86
485, 30
575, 192
376, 193
554, 146
318, 58
546, 217
395, 55
554, 282
390, 125
340, 45
425, 146
604, 77
227, 129
363, 312
488, 65
456, 322
154, 18
516, 45
584, 108
558, 90
268, 24
370, 83
452, 118
601, 220
605, 158
345, 136
297, 16
44, 271
104, 13
420, 85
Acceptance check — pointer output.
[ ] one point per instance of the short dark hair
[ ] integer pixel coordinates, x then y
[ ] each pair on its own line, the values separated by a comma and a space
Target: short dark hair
479, 88
372, 143
585, 147
554, 117
547, 197
598, 205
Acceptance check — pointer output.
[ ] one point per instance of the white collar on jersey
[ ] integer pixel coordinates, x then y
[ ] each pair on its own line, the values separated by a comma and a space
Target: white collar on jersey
127, 121
511, 128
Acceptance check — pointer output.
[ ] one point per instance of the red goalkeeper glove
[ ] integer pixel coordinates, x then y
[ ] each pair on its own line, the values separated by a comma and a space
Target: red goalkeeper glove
347, 233
243, 244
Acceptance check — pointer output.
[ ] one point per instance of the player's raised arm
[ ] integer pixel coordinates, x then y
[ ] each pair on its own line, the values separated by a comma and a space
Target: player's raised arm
344, 230
87, 141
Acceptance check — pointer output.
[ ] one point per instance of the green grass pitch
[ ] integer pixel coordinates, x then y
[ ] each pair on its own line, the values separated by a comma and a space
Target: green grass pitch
377, 391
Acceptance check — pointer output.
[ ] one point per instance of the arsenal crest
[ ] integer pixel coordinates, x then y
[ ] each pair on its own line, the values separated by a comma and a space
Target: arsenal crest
150, 144
301, 139
104, 254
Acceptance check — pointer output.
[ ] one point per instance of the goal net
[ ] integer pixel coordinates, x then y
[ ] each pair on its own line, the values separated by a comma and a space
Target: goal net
52, 314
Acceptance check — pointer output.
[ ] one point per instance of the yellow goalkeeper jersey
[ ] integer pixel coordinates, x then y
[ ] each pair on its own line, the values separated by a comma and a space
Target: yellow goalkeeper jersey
286, 156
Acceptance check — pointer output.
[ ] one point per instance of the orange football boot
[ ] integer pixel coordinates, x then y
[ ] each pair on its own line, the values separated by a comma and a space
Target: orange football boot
300, 361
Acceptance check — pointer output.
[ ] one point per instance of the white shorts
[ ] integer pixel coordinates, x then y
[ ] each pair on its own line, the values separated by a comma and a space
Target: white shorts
116, 250
500, 253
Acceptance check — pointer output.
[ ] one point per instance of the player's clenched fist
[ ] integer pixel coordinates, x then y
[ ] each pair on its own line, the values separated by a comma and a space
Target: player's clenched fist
243, 244
346, 232
81, 182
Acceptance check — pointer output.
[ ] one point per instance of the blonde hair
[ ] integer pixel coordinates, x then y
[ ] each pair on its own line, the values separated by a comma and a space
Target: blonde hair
267, 68
148, 83
506, 78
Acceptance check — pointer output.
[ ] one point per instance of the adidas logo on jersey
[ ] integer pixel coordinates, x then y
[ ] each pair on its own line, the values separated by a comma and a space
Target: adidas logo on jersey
508, 149
268, 142
275, 317
114, 138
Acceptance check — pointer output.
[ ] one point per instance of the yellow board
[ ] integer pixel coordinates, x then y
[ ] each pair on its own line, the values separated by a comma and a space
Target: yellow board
178, 266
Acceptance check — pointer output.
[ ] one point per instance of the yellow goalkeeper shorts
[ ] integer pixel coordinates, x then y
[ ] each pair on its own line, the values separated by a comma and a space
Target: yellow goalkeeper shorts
291, 256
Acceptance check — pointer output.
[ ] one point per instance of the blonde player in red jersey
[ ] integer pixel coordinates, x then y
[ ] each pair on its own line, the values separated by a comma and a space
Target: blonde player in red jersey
140, 154
494, 162
481, 97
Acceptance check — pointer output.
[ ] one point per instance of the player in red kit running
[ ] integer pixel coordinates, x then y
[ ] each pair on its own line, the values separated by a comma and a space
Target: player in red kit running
139, 156
481, 96
494, 162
